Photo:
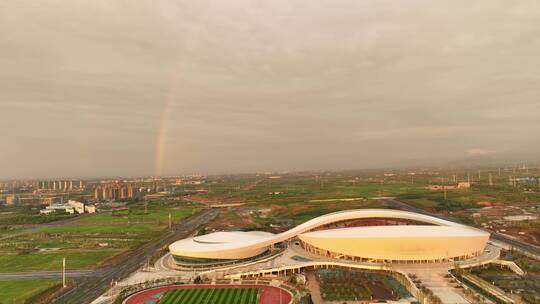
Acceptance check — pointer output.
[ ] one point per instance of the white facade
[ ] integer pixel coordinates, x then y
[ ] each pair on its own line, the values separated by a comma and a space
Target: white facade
77, 206
439, 240
397, 243
90, 208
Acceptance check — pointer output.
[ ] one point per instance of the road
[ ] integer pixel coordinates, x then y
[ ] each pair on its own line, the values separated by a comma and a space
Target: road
494, 235
89, 288
52, 274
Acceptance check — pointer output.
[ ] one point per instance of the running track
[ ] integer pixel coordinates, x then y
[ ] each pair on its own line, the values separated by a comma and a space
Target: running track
269, 294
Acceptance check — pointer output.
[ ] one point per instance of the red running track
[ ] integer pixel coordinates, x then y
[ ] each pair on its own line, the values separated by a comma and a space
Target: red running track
269, 294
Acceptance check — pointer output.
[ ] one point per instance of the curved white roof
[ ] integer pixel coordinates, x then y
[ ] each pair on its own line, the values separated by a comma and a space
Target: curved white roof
223, 240
236, 245
224, 237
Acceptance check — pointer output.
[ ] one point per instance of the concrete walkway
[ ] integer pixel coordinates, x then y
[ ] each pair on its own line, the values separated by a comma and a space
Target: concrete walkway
435, 280
490, 288
314, 287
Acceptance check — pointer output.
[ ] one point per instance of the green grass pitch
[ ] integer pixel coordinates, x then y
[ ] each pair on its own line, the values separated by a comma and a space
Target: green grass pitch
211, 296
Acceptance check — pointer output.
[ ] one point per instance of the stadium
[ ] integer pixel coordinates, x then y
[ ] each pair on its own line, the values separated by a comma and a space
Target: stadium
366, 235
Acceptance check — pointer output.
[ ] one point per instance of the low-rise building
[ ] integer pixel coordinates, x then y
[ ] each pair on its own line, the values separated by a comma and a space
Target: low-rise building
441, 187
47, 211
11, 200
464, 185
59, 207
77, 206
90, 209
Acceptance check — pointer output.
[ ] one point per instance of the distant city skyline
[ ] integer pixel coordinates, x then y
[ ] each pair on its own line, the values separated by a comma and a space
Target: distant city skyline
106, 88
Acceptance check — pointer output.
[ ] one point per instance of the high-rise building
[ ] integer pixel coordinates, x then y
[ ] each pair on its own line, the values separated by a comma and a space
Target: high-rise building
11, 200
115, 194
131, 191
105, 193
98, 194
115, 191
123, 192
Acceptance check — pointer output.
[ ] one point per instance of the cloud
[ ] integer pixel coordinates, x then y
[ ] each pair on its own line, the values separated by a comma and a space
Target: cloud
480, 152
297, 84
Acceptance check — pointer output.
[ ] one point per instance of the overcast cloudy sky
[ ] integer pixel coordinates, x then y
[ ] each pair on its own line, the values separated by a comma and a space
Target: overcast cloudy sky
110, 87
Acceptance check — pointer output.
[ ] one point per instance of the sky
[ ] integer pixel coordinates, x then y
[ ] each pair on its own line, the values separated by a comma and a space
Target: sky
163, 87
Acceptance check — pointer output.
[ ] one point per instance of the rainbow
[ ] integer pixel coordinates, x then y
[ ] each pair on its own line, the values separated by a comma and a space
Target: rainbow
161, 137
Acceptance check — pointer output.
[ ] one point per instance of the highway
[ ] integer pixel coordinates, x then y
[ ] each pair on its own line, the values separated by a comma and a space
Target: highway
494, 235
89, 288
53, 274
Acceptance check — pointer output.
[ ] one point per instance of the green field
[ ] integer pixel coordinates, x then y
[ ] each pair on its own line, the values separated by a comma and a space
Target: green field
26, 214
89, 240
211, 295
52, 260
138, 215
18, 291
294, 198
301, 188
101, 229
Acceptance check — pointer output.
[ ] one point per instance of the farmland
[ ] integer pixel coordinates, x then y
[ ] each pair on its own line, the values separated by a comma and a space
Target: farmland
289, 199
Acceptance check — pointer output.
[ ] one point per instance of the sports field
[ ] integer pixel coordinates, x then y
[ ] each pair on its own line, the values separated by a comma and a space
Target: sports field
212, 295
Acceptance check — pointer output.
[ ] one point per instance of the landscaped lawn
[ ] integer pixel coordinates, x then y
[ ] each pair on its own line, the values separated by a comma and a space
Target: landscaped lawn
344, 285
18, 291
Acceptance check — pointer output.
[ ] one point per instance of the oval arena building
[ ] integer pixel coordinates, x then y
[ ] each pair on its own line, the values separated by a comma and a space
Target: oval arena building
363, 235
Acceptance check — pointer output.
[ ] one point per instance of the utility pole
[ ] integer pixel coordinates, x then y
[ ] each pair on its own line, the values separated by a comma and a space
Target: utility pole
111, 289
444, 188
64, 272
490, 180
